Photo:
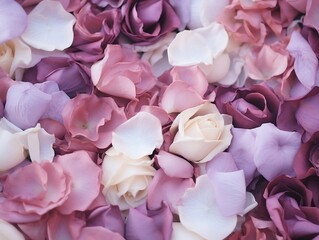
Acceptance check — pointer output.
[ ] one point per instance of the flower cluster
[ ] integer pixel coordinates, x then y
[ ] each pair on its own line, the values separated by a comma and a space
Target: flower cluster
159, 119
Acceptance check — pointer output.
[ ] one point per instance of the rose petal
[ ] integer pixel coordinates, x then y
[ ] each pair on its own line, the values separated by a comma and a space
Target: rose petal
85, 187
49, 27
8, 231
138, 136
199, 212
12, 25
180, 232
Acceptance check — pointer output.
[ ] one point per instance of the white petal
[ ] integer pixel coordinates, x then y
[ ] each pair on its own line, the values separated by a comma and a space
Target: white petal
182, 233
9, 232
199, 212
22, 55
199, 46
38, 142
138, 136
50, 27
11, 150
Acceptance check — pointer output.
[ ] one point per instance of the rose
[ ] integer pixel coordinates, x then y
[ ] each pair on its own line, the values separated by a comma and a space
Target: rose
93, 30
32, 190
200, 132
293, 206
61, 70
146, 21
122, 67
91, 120
125, 179
112, 3
249, 107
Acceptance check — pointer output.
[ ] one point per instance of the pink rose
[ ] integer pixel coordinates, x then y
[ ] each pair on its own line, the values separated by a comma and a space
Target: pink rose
91, 120
122, 74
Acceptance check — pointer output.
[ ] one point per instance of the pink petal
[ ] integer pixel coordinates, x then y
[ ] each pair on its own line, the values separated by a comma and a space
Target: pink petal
85, 187
95, 233
174, 166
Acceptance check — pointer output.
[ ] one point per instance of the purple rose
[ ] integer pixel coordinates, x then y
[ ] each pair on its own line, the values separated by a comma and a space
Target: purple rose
71, 77
93, 30
146, 21
293, 206
249, 107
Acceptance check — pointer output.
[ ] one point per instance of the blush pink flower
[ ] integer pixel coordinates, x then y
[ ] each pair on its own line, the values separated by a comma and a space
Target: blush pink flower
121, 73
90, 119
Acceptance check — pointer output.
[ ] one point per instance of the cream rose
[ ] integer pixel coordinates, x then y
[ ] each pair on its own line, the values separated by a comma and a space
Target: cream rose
200, 133
125, 179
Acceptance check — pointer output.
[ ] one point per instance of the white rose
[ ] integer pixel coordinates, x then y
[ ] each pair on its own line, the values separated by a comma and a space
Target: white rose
201, 132
125, 179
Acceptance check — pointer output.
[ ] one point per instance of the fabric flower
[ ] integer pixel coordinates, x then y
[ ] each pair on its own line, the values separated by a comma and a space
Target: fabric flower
93, 30
293, 206
138, 136
90, 119
249, 107
125, 179
145, 22
49, 17
200, 133
122, 65
71, 77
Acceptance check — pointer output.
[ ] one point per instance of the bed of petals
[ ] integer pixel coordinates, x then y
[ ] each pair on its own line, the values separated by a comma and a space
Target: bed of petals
159, 119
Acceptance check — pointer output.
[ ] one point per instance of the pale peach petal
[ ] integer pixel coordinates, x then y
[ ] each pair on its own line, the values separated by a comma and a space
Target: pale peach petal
182, 233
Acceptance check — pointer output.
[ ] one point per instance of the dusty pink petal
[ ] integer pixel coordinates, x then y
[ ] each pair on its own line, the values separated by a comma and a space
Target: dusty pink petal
66, 227
37, 229
158, 112
174, 166
85, 187
15, 189
12, 25
138, 136
299, 5
306, 62
179, 96
266, 64
167, 189
94, 233
311, 17
275, 151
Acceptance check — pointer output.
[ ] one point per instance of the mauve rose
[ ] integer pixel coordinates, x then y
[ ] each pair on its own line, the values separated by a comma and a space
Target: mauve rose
122, 74
71, 77
249, 107
93, 30
91, 120
69, 5
293, 206
146, 21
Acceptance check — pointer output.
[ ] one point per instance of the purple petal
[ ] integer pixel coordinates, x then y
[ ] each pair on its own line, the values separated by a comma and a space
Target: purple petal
25, 105
13, 20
